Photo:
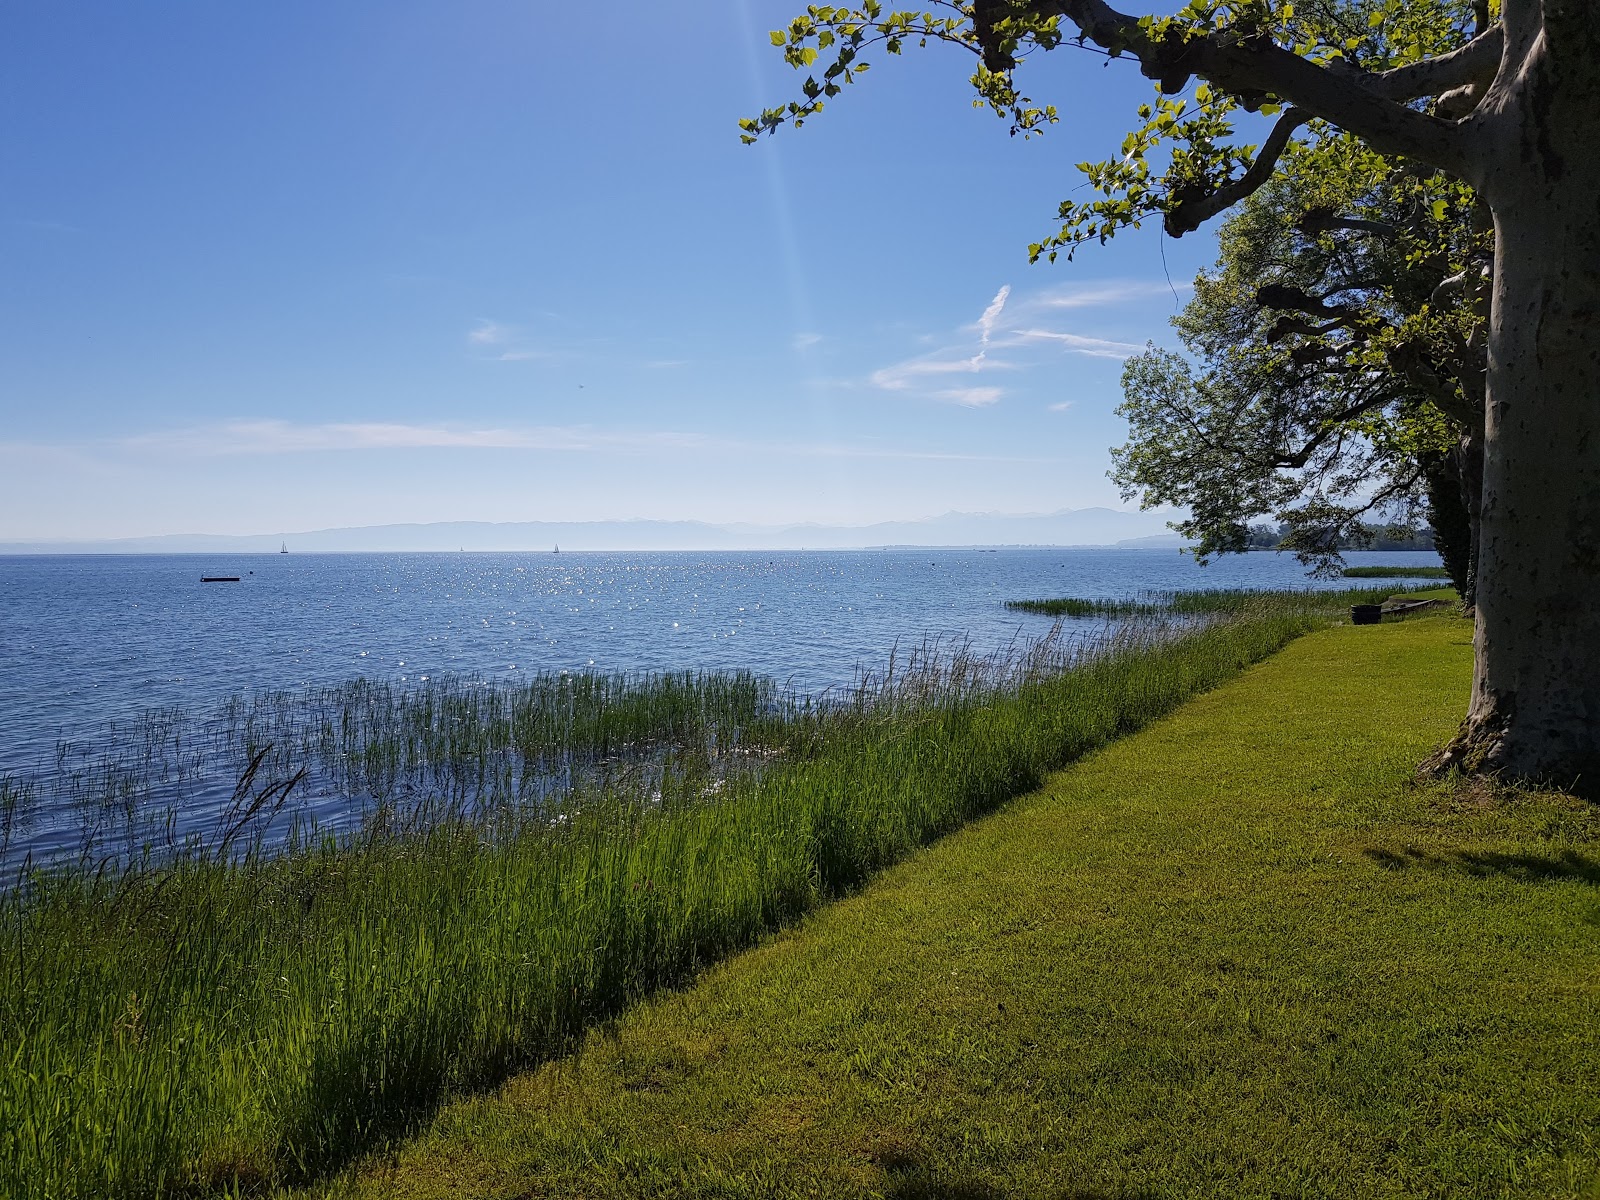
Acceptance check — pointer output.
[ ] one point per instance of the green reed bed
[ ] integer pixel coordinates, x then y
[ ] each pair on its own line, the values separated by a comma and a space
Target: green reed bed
1197, 602
220, 1021
396, 755
1395, 573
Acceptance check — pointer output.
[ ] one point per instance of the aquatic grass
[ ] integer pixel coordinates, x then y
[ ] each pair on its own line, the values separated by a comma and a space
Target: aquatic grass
1195, 602
1395, 573
205, 1021
376, 751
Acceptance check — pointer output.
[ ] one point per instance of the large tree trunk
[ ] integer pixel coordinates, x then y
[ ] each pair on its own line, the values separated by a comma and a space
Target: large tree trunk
1535, 713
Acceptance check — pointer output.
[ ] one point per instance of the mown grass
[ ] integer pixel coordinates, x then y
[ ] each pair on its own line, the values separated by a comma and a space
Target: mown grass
1239, 954
217, 1022
1395, 573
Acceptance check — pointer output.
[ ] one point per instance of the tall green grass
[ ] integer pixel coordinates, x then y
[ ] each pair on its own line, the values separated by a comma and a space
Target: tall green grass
402, 757
1196, 602
1395, 573
219, 1021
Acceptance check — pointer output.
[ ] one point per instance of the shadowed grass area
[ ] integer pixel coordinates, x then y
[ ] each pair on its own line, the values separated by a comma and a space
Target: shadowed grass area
1395, 573
218, 1022
1238, 954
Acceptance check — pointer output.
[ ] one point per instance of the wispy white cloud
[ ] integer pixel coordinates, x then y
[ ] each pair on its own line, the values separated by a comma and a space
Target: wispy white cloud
1008, 336
489, 333
285, 437
991, 315
833, 450
1108, 294
805, 340
512, 345
973, 397
1094, 347
907, 374
268, 437
1062, 406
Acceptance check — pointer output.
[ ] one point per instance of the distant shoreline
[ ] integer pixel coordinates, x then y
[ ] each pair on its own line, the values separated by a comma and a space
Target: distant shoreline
1100, 527
18, 552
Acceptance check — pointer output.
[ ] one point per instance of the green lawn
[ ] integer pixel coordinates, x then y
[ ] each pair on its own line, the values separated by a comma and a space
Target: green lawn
1236, 954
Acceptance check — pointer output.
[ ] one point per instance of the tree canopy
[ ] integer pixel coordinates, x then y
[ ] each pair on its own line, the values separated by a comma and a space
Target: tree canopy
1331, 286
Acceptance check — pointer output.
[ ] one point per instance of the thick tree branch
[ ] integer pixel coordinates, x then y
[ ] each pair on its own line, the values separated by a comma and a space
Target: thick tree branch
1293, 299
1254, 64
1475, 63
1333, 426
1189, 215
1322, 220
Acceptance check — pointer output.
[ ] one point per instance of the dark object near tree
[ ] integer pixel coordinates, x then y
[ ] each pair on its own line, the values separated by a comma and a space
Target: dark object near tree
1366, 614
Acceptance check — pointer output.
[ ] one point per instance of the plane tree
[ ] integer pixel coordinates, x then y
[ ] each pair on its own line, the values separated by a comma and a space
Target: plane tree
1508, 103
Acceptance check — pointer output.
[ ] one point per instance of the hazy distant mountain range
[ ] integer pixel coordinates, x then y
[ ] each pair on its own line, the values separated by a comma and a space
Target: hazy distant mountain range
1069, 527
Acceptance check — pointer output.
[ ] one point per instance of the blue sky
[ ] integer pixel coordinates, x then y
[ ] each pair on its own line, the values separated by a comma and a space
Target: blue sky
299, 265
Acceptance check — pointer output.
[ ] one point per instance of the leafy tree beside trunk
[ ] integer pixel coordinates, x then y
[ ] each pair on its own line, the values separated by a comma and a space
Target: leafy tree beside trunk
1507, 102
1334, 281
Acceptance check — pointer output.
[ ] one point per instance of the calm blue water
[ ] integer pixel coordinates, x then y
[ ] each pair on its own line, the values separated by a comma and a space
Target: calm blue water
84, 639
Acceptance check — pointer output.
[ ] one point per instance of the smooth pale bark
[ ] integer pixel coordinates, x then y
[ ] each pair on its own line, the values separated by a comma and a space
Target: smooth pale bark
1535, 712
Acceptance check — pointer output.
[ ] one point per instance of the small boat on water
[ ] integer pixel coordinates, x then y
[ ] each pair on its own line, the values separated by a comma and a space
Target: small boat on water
285, 549
219, 579
557, 550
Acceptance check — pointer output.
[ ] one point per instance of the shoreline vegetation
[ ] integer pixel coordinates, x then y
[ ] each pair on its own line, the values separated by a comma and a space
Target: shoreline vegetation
1201, 602
1395, 573
1209, 601
1213, 600
1240, 953
232, 1014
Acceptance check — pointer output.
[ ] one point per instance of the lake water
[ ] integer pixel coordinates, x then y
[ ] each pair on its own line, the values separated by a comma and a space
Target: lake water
89, 639
85, 638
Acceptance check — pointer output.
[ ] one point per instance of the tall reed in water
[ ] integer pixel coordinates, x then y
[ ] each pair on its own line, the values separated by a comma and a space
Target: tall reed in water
1196, 602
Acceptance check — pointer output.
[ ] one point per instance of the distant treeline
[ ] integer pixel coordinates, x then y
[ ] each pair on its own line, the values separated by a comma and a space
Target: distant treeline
1270, 537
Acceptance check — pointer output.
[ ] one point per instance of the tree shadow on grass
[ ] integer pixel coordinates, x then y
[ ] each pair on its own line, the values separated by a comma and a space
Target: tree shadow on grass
1484, 864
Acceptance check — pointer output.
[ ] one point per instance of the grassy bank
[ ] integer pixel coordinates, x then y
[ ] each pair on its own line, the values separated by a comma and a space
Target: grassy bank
1239, 954
229, 1021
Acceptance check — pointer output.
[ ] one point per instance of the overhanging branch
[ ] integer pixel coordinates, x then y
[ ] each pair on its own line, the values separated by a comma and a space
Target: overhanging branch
1253, 63
1189, 215
1476, 62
